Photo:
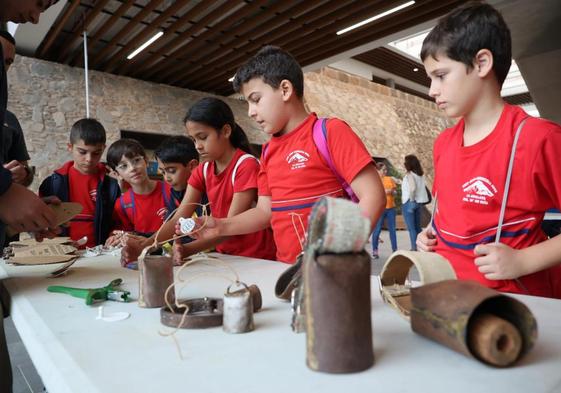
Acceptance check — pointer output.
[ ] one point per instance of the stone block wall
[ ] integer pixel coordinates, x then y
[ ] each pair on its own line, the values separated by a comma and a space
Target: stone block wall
391, 123
49, 97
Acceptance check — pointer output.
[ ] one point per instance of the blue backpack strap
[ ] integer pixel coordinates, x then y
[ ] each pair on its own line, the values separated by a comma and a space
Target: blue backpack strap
319, 134
128, 206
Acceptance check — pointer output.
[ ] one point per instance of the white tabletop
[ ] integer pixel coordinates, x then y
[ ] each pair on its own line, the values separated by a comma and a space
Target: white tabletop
74, 352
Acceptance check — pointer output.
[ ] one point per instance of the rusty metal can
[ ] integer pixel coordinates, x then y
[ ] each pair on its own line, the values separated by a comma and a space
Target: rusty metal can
474, 320
155, 276
338, 313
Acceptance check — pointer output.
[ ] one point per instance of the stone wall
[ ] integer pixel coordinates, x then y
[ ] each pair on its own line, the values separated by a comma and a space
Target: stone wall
391, 123
49, 97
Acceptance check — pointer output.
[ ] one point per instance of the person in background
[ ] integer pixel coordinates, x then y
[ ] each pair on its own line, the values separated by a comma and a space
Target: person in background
413, 194
389, 213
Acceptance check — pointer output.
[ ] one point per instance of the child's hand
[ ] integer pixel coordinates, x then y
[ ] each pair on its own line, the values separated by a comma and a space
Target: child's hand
115, 239
499, 261
426, 240
206, 227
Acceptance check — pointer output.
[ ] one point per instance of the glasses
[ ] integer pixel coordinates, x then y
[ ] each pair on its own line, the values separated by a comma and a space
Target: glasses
135, 162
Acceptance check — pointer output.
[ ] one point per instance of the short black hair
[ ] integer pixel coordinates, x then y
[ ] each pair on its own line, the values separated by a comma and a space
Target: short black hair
125, 147
6, 34
468, 29
273, 65
89, 130
177, 149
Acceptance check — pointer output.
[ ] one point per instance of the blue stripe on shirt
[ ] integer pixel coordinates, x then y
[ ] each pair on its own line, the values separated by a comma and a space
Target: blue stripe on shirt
487, 239
292, 207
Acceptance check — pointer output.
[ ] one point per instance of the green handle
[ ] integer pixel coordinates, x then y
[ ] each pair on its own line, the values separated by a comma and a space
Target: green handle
83, 293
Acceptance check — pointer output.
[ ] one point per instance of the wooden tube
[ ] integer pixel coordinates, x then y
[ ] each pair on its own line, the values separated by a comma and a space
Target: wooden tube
494, 340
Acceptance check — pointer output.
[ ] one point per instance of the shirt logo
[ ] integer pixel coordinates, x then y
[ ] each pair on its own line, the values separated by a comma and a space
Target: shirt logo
478, 190
162, 213
93, 195
297, 159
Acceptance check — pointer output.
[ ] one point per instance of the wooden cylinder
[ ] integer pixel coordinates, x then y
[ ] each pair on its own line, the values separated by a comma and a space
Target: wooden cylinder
494, 340
338, 313
155, 276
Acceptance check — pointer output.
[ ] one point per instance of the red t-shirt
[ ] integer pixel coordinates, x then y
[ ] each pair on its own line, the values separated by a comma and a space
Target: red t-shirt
83, 189
143, 214
220, 192
469, 183
295, 176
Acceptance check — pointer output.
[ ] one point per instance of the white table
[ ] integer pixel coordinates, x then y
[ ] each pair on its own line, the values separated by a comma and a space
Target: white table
74, 352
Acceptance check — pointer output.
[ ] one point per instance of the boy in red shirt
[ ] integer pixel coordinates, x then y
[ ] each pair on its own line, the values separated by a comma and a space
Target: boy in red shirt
85, 180
467, 56
142, 209
293, 174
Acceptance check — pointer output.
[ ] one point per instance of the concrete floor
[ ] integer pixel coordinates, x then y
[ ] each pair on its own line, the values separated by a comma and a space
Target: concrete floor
26, 379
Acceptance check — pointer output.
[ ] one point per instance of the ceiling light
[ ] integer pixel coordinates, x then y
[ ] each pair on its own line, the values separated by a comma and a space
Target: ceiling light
376, 17
145, 45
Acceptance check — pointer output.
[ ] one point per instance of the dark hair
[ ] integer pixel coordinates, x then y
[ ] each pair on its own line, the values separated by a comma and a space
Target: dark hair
177, 149
468, 29
6, 35
216, 113
273, 65
89, 130
412, 164
125, 147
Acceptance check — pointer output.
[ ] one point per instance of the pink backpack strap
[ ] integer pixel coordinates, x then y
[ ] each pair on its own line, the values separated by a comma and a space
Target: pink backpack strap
319, 134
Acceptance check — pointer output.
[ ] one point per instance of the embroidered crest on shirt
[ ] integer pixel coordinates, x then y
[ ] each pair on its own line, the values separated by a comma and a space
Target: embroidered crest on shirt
162, 213
478, 190
93, 195
297, 159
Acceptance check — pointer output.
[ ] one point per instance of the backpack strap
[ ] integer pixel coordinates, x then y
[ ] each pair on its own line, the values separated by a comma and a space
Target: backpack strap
240, 160
128, 206
319, 134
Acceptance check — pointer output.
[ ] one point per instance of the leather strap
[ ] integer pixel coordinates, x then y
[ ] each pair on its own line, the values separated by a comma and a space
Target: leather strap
431, 267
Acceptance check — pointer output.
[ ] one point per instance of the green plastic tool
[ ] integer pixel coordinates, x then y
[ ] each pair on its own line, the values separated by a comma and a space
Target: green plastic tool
91, 295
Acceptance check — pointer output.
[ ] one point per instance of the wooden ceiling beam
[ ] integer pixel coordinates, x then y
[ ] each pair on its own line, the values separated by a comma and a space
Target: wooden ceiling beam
142, 36
56, 29
102, 30
165, 69
77, 31
303, 25
167, 43
109, 48
247, 30
387, 27
189, 36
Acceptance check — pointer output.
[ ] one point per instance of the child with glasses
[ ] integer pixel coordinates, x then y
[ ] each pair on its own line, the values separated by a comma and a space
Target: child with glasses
143, 207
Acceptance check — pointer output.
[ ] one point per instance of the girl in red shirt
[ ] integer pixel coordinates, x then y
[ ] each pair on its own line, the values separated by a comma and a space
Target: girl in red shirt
228, 175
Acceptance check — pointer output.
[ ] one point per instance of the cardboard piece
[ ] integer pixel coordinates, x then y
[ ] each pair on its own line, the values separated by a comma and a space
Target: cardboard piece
41, 260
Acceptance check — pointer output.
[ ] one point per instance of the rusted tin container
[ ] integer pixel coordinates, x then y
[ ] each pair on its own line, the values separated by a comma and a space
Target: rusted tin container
474, 320
338, 313
155, 276
201, 314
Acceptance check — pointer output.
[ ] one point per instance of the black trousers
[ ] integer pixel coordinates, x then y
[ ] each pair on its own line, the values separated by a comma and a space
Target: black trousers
5, 366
